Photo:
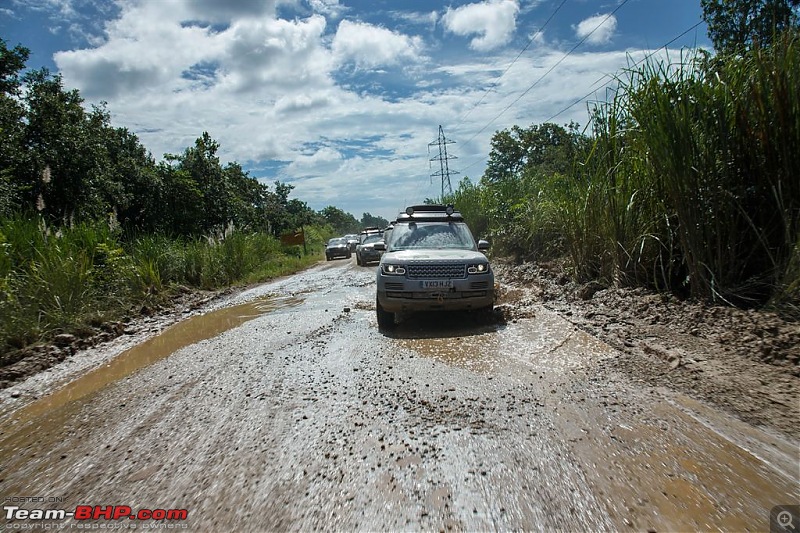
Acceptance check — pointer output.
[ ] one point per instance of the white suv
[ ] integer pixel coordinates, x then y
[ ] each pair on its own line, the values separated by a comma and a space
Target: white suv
431, 263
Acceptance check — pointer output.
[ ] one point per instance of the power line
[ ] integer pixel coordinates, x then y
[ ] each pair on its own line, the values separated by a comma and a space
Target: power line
533, 38
636, 63
646, 57
526, 91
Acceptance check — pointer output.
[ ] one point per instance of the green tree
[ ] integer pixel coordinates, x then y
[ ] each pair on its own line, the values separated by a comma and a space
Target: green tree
132, 185
369, 221
62, 170
202, 166
735, 25
249, 199
522, 161
340, 221
11, 123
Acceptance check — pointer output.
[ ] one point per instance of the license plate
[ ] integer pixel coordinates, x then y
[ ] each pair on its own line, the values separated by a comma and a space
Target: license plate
437, 284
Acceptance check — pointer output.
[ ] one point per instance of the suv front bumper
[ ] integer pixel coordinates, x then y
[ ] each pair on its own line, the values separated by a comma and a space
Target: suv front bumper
397, 294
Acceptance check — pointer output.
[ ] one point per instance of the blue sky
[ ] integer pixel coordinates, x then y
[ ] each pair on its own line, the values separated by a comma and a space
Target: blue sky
341, 98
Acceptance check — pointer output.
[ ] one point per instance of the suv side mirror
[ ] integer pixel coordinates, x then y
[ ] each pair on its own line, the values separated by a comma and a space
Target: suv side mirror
380, 246
483, 245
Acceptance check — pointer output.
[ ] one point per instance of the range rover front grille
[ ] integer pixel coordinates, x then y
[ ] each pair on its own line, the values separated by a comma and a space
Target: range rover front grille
434, 271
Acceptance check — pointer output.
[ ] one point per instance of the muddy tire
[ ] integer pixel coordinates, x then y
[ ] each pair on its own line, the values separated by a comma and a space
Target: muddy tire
385, 318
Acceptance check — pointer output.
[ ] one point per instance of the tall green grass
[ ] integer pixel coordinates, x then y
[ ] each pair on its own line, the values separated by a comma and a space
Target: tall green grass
68, 279
723, 149
52, 280
691, 184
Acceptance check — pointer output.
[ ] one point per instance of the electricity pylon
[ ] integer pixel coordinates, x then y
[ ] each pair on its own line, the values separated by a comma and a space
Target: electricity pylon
443, 158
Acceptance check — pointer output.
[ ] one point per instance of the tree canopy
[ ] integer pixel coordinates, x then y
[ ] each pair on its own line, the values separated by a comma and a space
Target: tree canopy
735, 25
70, 164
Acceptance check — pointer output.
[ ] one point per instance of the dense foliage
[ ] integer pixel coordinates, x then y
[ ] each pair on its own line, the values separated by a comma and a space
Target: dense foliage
344, 223
736, 25
686, 181
92, 227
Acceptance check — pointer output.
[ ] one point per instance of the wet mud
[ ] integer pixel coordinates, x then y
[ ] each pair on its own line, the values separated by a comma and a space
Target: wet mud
299, 415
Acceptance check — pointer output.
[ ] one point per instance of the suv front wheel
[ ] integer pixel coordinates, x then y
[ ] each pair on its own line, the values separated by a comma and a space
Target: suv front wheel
385, 318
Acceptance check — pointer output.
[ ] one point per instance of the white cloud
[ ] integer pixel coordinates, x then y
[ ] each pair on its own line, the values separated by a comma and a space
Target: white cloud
280, 96
275, 54
371, 46
152, 49
415, 17
493, 20
598, 29
323, 162
228, 10
330, 8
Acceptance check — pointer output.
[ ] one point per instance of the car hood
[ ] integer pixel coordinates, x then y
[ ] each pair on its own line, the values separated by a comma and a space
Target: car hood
406, 256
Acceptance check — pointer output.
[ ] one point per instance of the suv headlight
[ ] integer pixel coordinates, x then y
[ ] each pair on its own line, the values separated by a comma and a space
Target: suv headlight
393, 270
480, 268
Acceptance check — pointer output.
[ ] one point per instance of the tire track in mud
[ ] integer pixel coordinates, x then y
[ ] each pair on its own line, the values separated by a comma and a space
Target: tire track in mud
310, 418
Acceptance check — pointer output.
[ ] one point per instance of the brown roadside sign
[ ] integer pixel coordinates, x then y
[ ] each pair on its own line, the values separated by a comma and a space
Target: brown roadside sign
296, 237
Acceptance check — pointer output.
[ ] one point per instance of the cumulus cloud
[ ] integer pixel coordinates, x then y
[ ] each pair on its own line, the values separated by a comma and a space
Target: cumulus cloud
597, 29
227, 10
267, 88
330, 8
153, 48
276, 53
323, 161
141, 51
371, 46
494, 21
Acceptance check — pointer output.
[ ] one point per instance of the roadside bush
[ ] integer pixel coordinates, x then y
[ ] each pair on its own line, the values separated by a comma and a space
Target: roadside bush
689, 183
62, 280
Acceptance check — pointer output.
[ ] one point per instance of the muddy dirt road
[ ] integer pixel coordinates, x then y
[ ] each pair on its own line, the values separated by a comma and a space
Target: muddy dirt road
288, 410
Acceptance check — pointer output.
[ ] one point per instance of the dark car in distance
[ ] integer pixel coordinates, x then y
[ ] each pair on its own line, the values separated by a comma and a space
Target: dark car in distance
337, 247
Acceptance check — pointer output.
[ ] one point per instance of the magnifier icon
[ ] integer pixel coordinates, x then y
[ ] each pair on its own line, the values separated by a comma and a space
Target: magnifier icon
785, 520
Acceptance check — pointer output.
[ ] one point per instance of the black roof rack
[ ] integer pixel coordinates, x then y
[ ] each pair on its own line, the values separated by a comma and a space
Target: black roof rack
430, 213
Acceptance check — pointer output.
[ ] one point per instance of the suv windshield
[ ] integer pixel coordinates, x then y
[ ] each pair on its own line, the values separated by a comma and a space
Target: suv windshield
431, 235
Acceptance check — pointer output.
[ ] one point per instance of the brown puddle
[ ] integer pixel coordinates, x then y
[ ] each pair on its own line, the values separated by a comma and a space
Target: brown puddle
185, 333
546, 343
478, 353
